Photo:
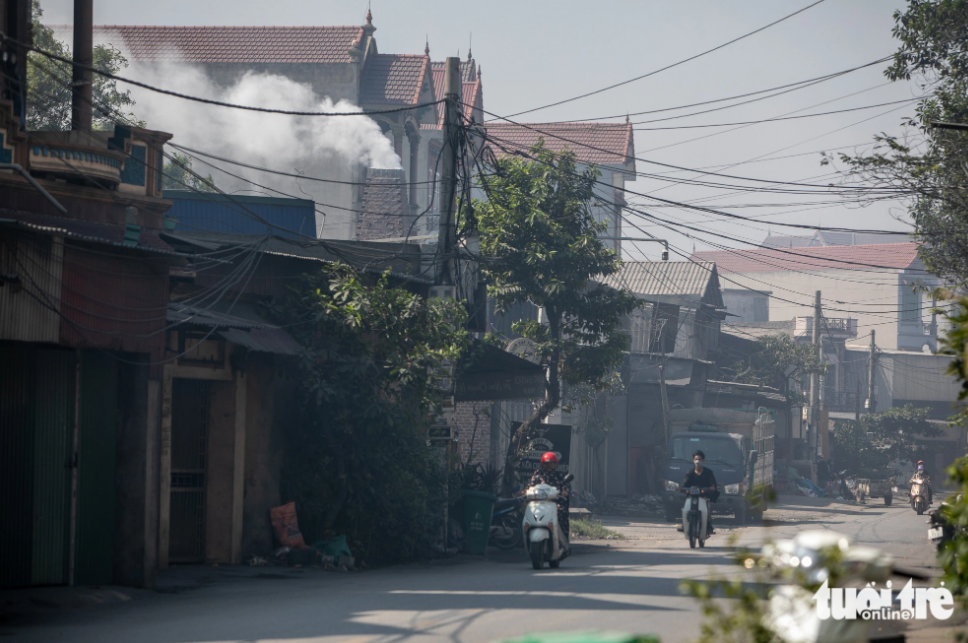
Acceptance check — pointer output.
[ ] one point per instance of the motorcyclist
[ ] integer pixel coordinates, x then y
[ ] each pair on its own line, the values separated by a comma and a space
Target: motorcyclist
703, 478
548, 474
922, 473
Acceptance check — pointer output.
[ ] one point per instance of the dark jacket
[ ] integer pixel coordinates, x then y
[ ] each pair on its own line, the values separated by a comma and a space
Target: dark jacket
704, 480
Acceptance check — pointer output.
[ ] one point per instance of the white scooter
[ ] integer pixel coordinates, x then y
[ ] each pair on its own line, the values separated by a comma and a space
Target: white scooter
695, 515
542, 534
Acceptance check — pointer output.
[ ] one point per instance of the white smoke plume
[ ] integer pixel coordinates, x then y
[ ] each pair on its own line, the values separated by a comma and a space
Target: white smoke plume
328, 147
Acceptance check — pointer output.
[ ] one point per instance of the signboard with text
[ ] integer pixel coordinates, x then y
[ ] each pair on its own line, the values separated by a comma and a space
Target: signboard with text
548, 437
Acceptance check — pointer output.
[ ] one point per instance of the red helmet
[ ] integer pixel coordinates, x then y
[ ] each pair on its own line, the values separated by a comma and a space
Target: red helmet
920, 461
549, 457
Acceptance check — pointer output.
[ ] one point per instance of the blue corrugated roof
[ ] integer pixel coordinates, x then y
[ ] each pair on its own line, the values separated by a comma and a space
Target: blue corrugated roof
196, 212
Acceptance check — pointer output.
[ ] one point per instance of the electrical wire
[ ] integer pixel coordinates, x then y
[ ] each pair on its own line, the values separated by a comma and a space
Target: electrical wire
667, 67
199, 99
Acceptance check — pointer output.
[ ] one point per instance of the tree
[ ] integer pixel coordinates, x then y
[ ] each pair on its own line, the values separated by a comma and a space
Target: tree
180, 176
539, 244
778, 361
954, 555
372, 366
929, 166
879, 440
48, 83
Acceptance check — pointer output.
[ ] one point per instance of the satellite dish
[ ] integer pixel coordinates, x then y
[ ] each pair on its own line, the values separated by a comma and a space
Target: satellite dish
525, 349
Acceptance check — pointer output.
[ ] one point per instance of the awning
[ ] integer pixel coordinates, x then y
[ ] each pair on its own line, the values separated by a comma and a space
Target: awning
240, 325
493, 374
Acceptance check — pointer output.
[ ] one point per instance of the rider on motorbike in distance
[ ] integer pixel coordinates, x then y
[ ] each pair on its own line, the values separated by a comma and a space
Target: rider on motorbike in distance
704, 479
921, 472
548, 474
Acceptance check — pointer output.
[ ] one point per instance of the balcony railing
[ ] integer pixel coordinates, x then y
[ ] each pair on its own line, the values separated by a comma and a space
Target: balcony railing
841, 401
839, 326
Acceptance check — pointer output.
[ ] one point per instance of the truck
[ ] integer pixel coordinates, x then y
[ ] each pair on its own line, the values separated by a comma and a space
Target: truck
738, 444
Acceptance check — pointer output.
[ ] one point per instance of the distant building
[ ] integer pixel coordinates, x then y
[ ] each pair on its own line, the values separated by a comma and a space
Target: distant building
821, 239
609, 146
336, 62
856, 282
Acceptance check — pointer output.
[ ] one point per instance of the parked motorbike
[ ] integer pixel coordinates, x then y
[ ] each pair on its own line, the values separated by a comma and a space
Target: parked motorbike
505, 532
695, 516
542, 533
941, 530
919, 494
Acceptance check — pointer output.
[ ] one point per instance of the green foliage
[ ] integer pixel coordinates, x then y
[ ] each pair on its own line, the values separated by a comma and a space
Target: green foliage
741, 620
955, 343
872, 445
929, 165
596, 430
48, 83
478, 477
179, 175
851, 447
589, 529
539, 244
778, 361
375, 359
953, 557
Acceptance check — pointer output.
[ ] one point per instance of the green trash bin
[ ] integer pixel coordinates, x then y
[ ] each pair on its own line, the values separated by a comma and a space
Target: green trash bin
478, 507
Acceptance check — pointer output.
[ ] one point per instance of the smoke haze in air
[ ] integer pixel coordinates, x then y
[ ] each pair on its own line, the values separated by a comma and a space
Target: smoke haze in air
318, 146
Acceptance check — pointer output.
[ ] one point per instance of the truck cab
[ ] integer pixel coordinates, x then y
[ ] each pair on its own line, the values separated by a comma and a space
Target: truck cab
726, 457
738, 445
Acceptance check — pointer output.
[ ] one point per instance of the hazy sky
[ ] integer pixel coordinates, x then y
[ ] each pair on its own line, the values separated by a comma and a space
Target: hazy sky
537, 52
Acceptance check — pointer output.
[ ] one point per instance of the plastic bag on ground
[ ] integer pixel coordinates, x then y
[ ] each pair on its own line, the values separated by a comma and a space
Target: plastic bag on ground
287, 526
334, 547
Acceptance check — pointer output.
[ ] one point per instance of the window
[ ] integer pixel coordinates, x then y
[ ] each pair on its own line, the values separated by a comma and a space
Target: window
719, 450
910, 304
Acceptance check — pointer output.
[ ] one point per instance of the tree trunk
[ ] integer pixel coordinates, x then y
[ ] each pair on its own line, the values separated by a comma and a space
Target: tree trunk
550, 403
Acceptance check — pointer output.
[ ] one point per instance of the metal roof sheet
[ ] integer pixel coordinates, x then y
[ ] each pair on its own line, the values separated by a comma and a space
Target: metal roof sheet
263, 340
686, 281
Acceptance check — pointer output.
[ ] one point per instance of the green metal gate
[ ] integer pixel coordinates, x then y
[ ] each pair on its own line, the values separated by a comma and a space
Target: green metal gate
37, 397
189, 458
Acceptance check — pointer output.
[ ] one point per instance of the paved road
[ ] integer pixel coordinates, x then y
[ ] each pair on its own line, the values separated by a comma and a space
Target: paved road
629, 585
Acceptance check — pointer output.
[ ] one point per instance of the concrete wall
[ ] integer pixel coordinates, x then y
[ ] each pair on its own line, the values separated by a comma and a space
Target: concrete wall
617, 462
473, 424
750, 306
271, 409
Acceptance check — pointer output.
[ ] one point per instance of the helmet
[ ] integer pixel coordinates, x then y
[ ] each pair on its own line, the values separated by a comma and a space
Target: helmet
549, 457
920, 461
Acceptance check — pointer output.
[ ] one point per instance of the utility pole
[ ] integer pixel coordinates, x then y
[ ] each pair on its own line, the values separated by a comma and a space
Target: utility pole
871, 406
443, 287
82, 80
815, 386
857, 403
665, 401
447, 241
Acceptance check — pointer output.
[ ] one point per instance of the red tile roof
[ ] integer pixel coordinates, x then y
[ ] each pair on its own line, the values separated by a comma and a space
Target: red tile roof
600, 143
472, 94
893, 256
231, 44
394, 79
